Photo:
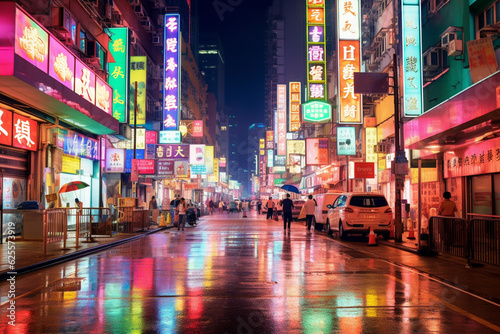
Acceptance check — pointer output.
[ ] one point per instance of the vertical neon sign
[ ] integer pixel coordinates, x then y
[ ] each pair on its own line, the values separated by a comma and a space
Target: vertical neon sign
118, 72
172, 70
316, 56
412, 74
281, 119
294, 106
349, 61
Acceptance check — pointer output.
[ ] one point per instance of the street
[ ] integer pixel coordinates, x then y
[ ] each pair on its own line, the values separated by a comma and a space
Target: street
243, 275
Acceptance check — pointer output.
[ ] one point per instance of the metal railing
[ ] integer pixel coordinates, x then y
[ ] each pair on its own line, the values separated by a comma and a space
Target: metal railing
54, 227
476, 238
131, 219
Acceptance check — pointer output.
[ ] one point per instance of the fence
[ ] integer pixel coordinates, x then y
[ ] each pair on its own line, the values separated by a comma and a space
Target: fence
476, 238
131, 219
54, 227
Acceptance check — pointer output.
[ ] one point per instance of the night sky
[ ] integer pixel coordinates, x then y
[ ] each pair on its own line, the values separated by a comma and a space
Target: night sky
242, 30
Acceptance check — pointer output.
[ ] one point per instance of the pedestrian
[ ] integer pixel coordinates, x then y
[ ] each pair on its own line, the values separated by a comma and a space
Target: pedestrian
309, 208
244, 207
447, 207
79, 205
287, 205
270, 207
181, 209
211, 206
221, 206
152, 204
259, 207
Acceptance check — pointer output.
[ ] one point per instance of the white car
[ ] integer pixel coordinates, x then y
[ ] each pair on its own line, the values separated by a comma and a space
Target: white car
355, 213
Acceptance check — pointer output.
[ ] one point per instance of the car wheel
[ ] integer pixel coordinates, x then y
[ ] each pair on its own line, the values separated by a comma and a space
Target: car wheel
328, 229
342, 233
386, 236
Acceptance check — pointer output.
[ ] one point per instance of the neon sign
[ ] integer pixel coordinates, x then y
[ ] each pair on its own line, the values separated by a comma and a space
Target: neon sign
119, 72
294, 103
316, 64
172, 78
281, 119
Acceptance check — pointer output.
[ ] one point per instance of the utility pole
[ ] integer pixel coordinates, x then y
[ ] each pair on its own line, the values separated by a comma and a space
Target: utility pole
134, 183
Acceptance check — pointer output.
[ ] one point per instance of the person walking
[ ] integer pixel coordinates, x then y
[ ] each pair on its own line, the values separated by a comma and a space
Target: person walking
259, 207
152, 206
244, 208
309, 207
287, 205
270, 207
221, 206
211, 206
181, 209
447, 207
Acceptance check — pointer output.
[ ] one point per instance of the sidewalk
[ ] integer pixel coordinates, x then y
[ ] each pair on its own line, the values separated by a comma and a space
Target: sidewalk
29, 254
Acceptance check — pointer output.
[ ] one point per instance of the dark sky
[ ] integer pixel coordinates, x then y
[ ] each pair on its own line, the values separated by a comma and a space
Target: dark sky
241, 26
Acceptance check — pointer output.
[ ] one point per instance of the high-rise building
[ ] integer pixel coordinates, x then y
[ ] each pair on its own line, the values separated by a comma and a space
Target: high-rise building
212, 65
256, 131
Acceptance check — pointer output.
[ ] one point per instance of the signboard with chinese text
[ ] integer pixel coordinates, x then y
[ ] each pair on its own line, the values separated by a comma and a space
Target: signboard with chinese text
79, 145
165, 167
146, 166
348, 17
346, 140
279, 160
32, 41
189, 128
222, 162
177, 152
115, 160
412, 58
84, 81
197, 154
482, 58
172, 70
270, 158
70, 165
269, 139
281, 124
350, 111
294, 107
370, 142
317, 112
24, 133
129, 156
138, 73
209, 159
317, 151
151, 137
119, 72
5, 127
61, 64
170, 137
316, 57
296, 147
103, 95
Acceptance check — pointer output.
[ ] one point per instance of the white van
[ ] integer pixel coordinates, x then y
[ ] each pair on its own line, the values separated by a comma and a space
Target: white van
322, 201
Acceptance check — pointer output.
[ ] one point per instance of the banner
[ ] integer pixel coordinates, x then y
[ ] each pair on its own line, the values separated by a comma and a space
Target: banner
138, 68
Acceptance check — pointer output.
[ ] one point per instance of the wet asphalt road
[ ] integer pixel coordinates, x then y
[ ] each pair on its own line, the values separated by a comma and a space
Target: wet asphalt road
234, 275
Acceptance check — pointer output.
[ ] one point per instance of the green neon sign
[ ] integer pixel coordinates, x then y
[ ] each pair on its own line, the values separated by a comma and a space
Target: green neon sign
119, 72
316, 112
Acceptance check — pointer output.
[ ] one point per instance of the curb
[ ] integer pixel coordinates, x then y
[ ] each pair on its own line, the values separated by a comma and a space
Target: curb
67, 257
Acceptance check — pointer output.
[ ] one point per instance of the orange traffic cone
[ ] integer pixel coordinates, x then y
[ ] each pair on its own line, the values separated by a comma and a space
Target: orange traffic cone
411, 234
372, 238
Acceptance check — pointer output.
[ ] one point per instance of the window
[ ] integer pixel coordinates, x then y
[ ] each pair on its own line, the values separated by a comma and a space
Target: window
82, 40
489, 16
368, 201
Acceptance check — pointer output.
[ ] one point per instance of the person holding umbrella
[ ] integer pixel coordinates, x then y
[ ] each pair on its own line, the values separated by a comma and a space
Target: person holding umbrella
79, 205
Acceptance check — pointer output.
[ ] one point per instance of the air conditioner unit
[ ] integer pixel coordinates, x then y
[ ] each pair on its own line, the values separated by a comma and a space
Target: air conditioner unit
93, 61
447, 38
134, 2
156, 40
487, 31
147, 25
431, 60
68, 41
139, 10
455, 48
117, 18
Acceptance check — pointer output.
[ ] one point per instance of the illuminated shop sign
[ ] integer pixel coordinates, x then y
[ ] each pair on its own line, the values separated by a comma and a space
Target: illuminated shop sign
115, 160
370, 142
80, 146
151, 137
129, 156
209, 159
295, 147
119, 72
138, 73
412, 67
84, 82
32, 41
177, 152
348, 20
170, 137
281, 120
61, 64
270, 158
191, 129
172, 67
103, 95
346, 140
165, 167
316, 59
294, 105
197, 154
269, 139
146, 166
317, 151
18, 131
317, 111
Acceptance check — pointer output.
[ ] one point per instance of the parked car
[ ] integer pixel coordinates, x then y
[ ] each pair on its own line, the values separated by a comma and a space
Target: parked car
355, 213
297, 206
323, 200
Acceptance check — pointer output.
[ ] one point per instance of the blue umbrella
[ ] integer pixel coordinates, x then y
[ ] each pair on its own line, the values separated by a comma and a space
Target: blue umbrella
290, 188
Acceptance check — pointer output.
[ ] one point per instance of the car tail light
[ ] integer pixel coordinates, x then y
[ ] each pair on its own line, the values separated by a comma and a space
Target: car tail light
388, 210
348, 209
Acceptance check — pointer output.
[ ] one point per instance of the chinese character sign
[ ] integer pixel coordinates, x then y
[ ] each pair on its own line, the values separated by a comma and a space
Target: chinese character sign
115, 160
177, 152
316, 59
370, 142
103, 95
281, 123
317, 112
294, 108
348, 19
84, 82
5, 127
172, 70
61, 64
346, 140
119, 72
269, 139
349, 62
32, 42
412, 66
317, 151
138, 67
209, 159
24, 133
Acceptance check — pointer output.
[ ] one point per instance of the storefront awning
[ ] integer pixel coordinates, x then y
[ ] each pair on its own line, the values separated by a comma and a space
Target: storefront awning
468, 117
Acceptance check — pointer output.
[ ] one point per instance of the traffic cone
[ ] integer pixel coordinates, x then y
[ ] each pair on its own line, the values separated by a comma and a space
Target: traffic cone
372, 238
411, 234
169, 219
162, 221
